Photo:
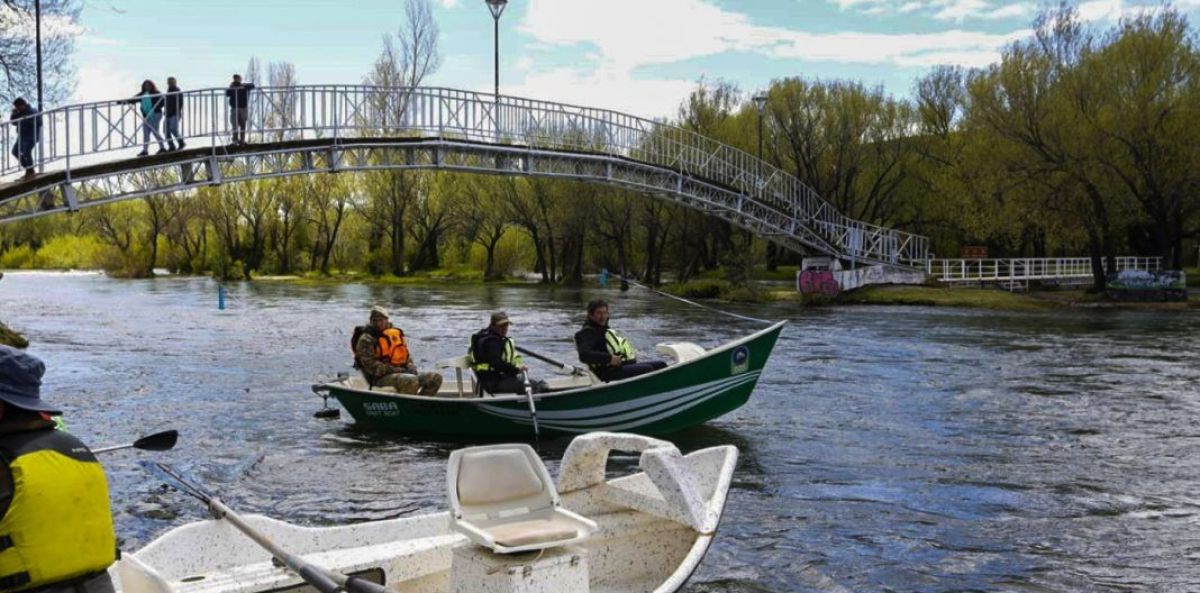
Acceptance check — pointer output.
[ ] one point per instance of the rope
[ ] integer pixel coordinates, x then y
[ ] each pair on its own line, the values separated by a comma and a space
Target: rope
693, 303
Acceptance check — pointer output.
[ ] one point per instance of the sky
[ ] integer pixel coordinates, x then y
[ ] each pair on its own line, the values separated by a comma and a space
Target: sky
637, 56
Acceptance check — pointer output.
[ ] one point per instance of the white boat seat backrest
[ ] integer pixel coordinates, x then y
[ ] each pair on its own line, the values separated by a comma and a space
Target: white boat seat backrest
502, 497
585, 463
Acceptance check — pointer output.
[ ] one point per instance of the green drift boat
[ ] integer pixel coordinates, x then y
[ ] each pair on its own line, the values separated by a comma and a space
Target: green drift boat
696, 387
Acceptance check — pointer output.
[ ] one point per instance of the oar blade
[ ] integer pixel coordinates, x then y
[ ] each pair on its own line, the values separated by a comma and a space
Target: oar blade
162, 441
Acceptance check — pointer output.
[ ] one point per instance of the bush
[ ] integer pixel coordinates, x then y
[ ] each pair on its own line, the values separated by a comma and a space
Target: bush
18, 258
698, 289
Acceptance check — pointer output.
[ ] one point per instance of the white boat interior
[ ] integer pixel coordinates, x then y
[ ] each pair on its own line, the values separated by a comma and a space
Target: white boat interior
644, 532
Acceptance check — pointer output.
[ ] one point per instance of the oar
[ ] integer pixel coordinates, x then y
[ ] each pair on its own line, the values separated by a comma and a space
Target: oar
325, 581
159, 441
574, 369
537, 433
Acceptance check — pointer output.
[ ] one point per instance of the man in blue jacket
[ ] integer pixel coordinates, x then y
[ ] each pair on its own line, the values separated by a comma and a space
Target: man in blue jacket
239, 108
29, 130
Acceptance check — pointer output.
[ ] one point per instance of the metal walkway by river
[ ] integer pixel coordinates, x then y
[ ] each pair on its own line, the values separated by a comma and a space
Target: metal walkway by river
86, 157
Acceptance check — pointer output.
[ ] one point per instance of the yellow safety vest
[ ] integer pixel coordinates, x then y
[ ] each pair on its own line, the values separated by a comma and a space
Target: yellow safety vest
617, 344
510, 353
58, 525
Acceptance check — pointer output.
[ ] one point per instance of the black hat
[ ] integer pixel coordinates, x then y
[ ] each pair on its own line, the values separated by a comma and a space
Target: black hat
21, 380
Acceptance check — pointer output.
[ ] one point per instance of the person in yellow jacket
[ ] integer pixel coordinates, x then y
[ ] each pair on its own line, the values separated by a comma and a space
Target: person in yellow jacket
56, 529
381, 351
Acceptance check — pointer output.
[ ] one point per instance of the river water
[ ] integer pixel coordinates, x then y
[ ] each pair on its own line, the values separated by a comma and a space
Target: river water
885, 449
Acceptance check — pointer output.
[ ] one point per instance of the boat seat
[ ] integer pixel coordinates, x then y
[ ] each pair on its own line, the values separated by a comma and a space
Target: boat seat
459, 363
502, 497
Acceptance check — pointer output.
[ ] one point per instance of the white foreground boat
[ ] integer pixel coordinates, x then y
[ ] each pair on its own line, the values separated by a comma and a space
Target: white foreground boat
645, 532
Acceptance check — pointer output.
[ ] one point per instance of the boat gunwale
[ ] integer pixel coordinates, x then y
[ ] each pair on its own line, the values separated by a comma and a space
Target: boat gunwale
343, 388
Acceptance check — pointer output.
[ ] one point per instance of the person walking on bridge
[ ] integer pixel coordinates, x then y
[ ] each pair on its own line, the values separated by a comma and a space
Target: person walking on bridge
606, 352
56, 527
174, 108
150, 103
29, 131
239, 108
382, 353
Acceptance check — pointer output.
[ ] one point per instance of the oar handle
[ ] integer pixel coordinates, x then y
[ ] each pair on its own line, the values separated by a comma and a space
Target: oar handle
547, 359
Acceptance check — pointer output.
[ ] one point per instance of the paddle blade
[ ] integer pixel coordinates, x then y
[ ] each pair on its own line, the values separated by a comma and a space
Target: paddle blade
158, 442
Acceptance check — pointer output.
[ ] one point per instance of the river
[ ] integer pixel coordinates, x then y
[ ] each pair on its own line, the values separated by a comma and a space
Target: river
885, 449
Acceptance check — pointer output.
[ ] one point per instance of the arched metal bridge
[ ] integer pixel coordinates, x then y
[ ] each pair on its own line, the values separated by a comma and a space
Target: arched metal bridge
86, 157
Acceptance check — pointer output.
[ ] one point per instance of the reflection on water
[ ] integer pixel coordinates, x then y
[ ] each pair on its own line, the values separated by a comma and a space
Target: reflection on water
886, 449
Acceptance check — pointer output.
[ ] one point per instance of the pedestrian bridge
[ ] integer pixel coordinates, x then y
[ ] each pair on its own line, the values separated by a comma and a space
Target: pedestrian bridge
87, 157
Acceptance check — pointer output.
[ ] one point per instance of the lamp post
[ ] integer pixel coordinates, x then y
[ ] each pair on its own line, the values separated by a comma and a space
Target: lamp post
497, 8
37, 25
760, 101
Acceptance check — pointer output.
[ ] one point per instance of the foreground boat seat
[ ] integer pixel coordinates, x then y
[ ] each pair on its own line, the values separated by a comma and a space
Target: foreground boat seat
679, 351
502, 497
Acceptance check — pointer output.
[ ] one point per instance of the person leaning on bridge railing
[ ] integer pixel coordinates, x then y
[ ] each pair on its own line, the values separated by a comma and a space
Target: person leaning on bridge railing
29, 131
239, 108
174, 108
150, 104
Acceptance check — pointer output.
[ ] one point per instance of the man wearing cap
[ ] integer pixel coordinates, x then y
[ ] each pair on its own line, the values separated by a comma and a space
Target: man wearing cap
494, 358
382, 354
56, 529
606, 352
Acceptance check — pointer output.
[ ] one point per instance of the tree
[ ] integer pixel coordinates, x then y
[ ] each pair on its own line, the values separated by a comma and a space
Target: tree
18, 60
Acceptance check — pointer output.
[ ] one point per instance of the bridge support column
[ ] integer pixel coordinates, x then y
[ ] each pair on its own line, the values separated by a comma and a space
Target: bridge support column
214, 170
70, 198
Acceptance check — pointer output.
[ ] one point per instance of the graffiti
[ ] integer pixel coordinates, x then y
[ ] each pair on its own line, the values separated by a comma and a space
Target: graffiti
1142, 285
817, 282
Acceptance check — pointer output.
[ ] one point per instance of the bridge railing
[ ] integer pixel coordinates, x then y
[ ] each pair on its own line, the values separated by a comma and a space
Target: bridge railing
91, 133
1028, 268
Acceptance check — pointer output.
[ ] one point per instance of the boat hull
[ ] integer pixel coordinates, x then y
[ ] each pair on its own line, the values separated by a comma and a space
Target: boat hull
672, 399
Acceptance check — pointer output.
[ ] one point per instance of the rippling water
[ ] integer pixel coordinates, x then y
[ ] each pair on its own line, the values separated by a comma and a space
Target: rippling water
885, 449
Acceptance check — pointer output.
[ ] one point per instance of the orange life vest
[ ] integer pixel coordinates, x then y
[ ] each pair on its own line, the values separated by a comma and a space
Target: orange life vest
392, 347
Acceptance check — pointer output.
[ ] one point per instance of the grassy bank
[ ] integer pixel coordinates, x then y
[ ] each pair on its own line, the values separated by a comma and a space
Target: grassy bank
982, 298
931, 296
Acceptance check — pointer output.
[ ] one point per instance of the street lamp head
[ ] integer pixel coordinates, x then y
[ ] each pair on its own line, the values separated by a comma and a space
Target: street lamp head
760, 101
497, 7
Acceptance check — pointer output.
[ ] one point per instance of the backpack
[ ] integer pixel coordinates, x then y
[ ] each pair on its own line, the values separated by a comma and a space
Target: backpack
354, 336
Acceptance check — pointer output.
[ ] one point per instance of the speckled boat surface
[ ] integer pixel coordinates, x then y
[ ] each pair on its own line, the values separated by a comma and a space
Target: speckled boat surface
653, 529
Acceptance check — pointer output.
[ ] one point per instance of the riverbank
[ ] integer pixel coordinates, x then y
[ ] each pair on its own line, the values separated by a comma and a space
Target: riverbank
994, 299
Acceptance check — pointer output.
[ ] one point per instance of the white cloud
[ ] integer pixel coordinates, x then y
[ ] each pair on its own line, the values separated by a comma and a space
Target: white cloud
1097, 10
943, 10
102, 79
604, 88
448, 3
669, 31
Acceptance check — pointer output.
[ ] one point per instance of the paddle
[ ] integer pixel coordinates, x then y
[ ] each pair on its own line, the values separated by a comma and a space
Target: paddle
159, 441
325, 581
574, 369
537, 433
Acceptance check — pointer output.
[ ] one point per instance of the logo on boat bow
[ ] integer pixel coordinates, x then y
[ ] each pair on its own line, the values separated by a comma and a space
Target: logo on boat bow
739, 360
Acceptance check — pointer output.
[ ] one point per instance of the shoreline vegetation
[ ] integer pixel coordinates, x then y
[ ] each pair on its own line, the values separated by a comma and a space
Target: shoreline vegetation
761, 287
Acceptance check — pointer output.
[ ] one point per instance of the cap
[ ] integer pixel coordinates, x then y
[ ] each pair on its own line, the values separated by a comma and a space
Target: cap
21, 380
500, 318
377, 311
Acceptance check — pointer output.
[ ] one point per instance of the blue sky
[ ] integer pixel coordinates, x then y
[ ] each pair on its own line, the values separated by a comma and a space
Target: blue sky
638, 56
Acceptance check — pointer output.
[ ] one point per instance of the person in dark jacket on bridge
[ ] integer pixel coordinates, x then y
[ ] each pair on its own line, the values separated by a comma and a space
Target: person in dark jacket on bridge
239, 107
606, 352
29, 131
173, 105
